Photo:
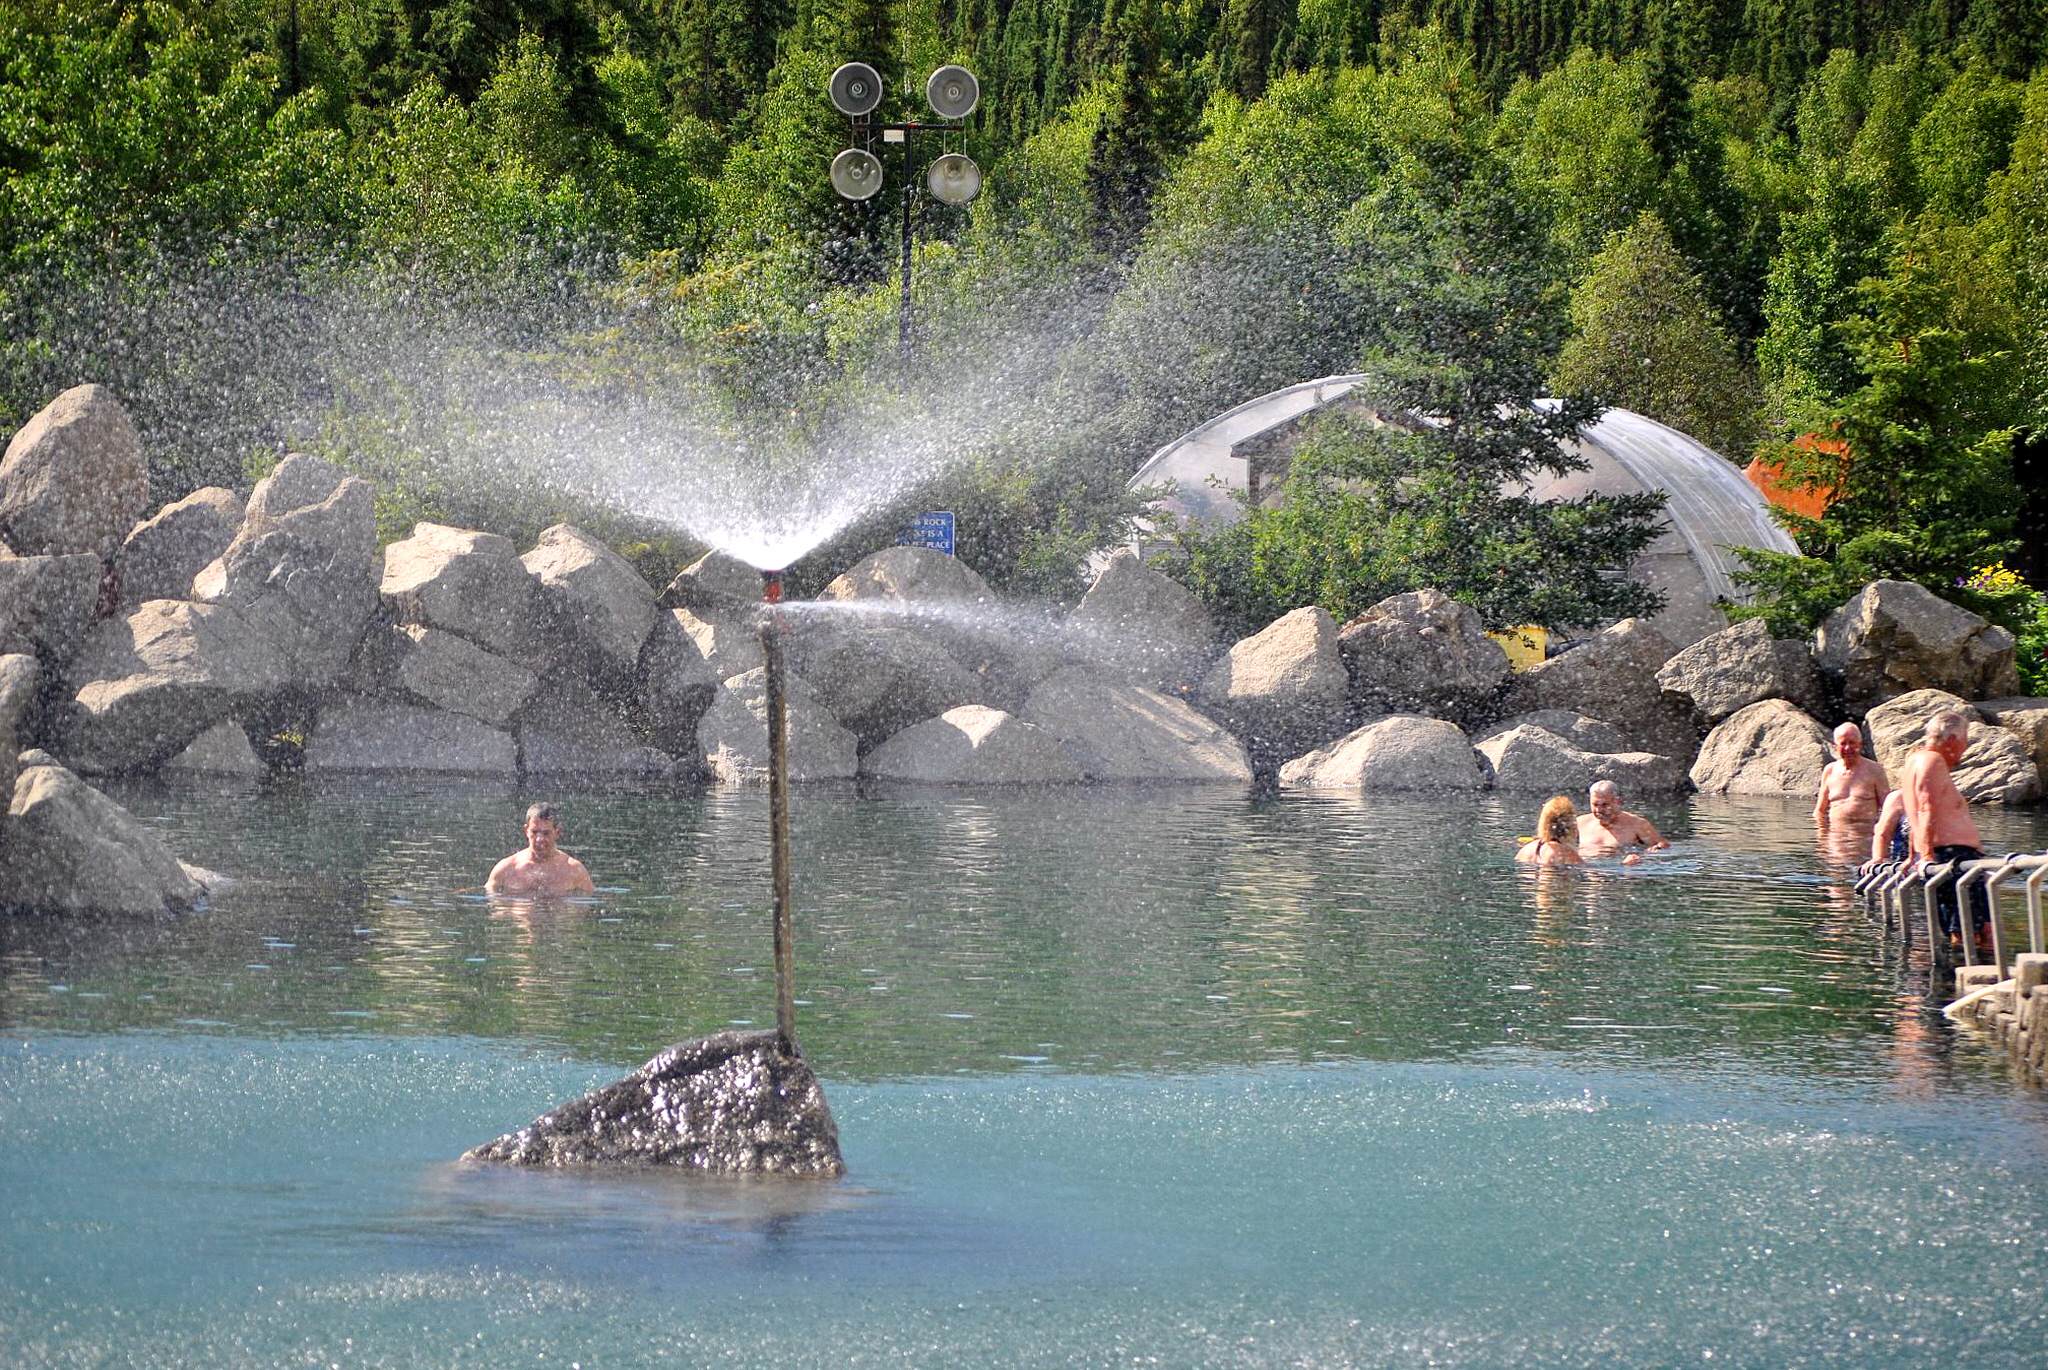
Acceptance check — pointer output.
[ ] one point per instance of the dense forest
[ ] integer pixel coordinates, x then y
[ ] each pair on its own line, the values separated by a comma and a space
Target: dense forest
484, 250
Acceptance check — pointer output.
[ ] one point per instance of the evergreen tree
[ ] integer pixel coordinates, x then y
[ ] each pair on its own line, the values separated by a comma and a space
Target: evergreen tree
1138, 134
1248, 38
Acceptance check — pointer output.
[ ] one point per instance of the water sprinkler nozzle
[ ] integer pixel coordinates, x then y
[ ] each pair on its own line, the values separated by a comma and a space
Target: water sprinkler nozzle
771, 587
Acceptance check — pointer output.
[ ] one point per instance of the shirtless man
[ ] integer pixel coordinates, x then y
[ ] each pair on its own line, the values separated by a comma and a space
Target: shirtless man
1610, 829
1889, 837
1851, 789
1939, 817
542, 868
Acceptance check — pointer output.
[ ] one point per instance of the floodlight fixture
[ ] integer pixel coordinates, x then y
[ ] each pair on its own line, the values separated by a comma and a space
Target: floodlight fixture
952, 92
954, 178
856, 89
857, 173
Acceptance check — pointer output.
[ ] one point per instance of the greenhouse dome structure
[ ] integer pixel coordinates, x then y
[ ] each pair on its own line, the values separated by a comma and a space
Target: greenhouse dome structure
1710, 508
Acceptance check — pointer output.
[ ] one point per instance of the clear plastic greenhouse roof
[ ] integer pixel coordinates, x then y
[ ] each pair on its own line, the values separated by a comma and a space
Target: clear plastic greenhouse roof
1710, 508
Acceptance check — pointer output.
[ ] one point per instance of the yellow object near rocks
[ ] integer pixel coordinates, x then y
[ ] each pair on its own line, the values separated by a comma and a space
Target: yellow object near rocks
1525, 646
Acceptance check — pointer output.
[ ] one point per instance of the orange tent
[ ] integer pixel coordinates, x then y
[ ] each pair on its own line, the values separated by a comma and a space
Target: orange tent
1810, 501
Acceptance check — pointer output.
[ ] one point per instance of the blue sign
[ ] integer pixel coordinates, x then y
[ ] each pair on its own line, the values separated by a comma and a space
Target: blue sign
933, 530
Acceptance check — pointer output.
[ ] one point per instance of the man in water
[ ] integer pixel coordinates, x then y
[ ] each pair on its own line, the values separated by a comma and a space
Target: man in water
1609, 829
1939, 818
1851, 789
542, 868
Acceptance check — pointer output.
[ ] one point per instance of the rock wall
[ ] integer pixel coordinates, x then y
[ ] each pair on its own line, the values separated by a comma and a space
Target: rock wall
229, 636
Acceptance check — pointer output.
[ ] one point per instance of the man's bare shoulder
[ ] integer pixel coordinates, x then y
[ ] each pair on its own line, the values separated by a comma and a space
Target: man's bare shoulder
506, 876
578, 875
1925, 765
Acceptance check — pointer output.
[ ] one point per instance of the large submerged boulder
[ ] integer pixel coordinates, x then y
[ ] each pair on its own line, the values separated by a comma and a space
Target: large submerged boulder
395, 737
1895, 637
471, 584
222, 750
20, 677
677, 684
716, 584
162, 556
450, 672
733, 734
1284, 689
943, 602
1771, 747
1400, 752
2026, 718
1587, 734
74, 479
1996, 767
1532, 759
159, 678
46, 604
729, 641
301, 571
1612, 676
70, 849
735, 1103
601, 606
567, 728
878, 678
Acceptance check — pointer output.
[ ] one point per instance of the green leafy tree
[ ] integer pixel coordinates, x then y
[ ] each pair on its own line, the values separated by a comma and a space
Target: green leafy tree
1578, 139
1646, 337
1917, 460
159, 204
1961, 143
2011, 250
1249, 36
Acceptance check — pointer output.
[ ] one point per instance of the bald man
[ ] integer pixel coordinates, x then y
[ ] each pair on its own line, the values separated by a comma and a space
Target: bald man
1852, 788
1610, 830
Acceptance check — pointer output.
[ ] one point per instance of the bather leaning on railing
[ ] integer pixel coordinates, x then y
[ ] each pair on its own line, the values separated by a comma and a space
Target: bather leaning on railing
1886, 886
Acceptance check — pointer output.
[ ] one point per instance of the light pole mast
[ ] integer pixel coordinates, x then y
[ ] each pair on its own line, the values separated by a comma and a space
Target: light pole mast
953, 178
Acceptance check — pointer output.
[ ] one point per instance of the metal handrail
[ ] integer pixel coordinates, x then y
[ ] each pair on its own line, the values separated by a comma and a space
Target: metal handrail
2034, 937
1884, 887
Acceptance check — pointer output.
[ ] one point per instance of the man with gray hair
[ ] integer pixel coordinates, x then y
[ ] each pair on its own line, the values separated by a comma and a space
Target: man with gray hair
1851, 789
1938, 818
1610, 829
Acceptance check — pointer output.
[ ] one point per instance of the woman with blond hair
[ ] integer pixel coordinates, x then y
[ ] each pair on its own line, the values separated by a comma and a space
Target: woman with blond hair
1557, 836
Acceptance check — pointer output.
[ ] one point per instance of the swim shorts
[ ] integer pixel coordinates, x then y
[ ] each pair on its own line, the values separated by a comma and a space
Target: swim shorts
1945, 897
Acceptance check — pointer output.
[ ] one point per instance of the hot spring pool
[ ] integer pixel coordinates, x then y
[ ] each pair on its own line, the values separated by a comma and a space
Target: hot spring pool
1122, 1078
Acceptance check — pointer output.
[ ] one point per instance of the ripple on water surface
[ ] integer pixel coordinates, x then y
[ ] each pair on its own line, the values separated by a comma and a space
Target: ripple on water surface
1120, 1076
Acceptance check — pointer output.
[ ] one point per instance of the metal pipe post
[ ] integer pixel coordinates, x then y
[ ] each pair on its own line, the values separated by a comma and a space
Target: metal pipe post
909, 192
778, 807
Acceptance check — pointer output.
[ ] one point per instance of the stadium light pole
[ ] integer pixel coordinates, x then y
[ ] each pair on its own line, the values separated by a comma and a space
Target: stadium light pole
953, 178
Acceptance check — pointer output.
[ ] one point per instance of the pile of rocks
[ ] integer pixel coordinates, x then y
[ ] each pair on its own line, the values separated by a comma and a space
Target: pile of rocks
226, 636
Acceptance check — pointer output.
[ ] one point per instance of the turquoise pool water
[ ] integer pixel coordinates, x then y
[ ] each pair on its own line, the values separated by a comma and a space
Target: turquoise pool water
1122, 1078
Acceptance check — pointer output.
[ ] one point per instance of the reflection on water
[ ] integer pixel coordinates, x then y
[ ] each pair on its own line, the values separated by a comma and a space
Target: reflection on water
938, 932
1120, 1075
